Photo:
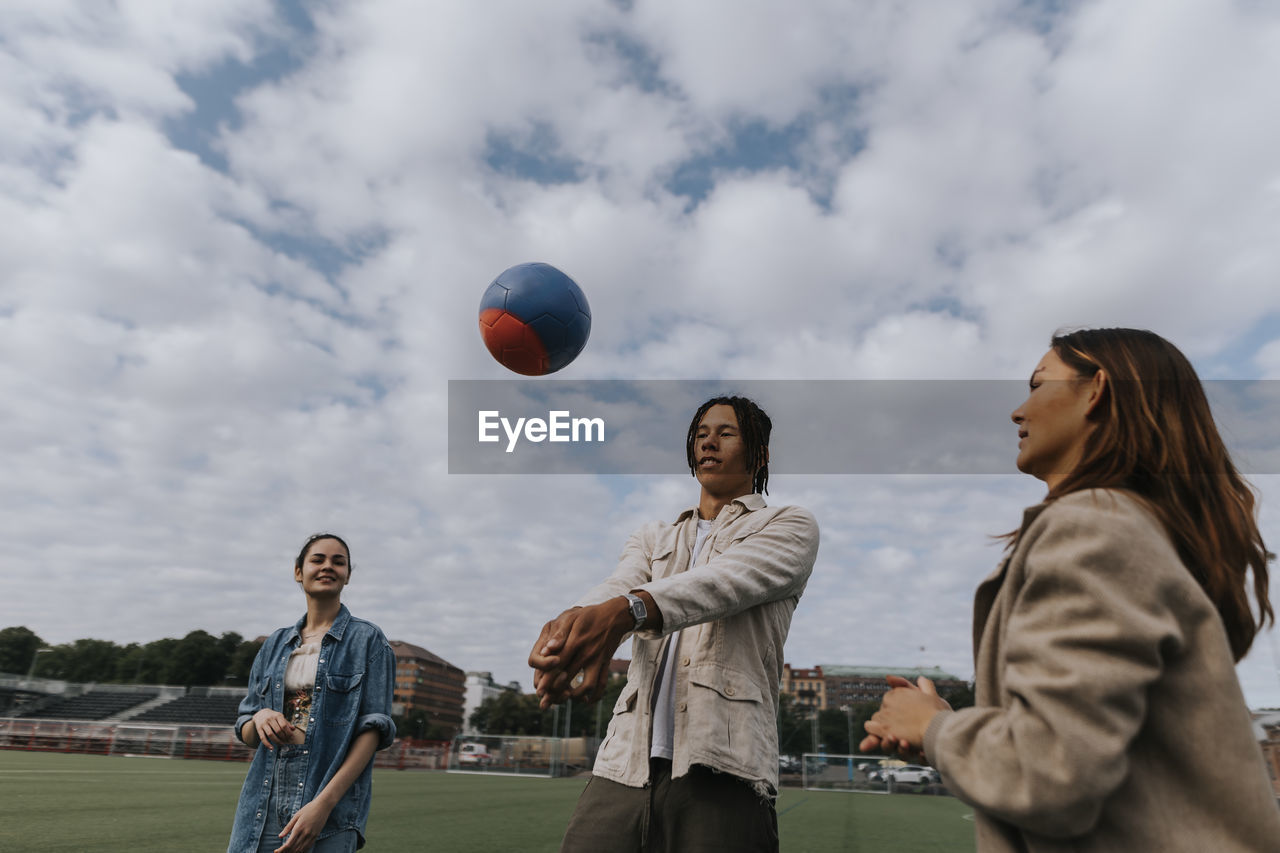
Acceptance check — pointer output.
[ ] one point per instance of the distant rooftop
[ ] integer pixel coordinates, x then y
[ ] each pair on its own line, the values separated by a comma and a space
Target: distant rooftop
411, 652
931, 672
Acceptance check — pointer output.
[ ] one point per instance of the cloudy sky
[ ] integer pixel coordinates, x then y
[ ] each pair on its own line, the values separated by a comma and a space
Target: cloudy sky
244, 246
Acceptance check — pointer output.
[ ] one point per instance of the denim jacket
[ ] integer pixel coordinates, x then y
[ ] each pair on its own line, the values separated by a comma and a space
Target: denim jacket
733, 609
355, 675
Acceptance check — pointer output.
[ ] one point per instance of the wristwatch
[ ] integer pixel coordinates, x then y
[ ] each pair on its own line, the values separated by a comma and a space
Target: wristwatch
637, 609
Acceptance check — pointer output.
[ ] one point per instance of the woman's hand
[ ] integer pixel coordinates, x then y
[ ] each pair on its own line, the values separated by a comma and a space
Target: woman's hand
904, 716
273, 728
303, 828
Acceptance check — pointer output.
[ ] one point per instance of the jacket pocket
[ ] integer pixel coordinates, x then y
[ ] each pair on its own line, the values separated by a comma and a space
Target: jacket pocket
342, 698
626, 699
732, 685
615, 749
660, 560
727, 718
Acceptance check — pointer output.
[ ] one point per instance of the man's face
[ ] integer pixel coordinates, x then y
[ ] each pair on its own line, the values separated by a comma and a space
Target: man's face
721, 455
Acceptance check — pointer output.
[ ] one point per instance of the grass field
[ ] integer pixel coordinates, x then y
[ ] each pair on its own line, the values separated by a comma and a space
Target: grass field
98, 804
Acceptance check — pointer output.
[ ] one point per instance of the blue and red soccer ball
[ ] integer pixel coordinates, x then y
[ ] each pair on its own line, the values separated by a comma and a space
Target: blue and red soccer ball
534, 319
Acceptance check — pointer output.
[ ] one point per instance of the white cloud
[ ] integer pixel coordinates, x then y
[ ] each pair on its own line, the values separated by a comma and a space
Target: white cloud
204, 366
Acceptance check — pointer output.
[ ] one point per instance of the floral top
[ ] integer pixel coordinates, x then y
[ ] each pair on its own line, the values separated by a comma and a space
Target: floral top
299, 683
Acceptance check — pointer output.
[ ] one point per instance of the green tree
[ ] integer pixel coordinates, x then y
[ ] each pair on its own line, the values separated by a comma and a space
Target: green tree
511, 713
83, 660
793, 729
960, 696
242, 662
153, 665
129, 664
584, 716
229, 642
17, 649
420, 726
198, 659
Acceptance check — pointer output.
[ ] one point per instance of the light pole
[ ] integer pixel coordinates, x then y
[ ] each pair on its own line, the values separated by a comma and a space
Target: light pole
31, 673
848, 713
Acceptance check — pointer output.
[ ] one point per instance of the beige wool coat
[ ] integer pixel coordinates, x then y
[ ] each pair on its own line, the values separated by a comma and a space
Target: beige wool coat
1108, 715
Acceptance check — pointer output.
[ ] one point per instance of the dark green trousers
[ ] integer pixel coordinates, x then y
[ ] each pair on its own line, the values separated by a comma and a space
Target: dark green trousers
703, 812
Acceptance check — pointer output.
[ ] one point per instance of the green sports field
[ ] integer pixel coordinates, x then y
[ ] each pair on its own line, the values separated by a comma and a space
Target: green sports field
52, 802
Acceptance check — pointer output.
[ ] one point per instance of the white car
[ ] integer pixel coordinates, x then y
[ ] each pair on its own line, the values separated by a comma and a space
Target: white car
912, 774
474, 754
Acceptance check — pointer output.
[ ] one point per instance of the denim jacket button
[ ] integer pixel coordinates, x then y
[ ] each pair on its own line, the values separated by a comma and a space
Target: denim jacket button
728, 691
684, 662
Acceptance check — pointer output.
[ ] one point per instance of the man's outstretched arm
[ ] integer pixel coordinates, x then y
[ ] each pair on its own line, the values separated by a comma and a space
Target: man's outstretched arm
584, 640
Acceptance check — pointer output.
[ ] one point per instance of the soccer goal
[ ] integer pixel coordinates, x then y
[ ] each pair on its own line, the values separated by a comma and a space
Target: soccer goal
518, 755
151, 741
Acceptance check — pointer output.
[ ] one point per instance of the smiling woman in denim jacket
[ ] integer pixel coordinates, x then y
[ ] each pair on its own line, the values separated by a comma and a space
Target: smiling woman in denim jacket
318, 707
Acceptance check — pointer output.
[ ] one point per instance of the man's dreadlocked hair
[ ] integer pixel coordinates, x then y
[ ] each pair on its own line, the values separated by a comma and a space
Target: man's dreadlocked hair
753, 425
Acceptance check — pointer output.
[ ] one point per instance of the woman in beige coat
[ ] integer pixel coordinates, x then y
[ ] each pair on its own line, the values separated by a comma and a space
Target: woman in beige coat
1108, 715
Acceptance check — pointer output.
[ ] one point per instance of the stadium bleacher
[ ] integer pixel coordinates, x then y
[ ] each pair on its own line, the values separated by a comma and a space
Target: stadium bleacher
206, 710
14, 699
94, 705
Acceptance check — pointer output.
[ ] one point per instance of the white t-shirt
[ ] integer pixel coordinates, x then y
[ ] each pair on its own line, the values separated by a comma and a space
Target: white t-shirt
664, 705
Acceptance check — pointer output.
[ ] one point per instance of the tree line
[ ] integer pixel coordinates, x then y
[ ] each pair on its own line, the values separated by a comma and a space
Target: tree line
835, 725
511, 713
197, 660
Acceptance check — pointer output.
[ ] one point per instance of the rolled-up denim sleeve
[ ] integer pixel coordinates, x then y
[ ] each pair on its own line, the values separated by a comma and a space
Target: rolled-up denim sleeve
375, 699
252, 701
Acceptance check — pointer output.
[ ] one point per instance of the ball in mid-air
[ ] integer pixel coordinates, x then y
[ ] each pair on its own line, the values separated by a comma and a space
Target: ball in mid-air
534, 319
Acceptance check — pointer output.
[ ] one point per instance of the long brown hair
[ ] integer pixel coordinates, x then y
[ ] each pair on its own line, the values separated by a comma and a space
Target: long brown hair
1155, 436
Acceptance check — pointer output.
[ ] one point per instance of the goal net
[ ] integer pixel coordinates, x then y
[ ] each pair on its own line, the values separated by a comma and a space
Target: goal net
518, 755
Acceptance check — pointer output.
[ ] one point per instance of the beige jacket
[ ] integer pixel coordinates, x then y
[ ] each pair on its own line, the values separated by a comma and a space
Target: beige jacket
1108, 713
734, 607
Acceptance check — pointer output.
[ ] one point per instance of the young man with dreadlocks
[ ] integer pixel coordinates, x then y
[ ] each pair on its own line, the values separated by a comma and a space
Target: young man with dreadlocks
690, 761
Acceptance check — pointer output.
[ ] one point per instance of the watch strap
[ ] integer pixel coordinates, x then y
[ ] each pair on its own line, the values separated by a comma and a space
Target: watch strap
638, 611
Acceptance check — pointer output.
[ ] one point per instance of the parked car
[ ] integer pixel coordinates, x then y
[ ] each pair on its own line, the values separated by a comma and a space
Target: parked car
473, 754
912, 774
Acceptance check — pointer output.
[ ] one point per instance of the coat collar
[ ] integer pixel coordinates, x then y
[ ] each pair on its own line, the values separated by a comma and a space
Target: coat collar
335, 630
749, 503
1029, 515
